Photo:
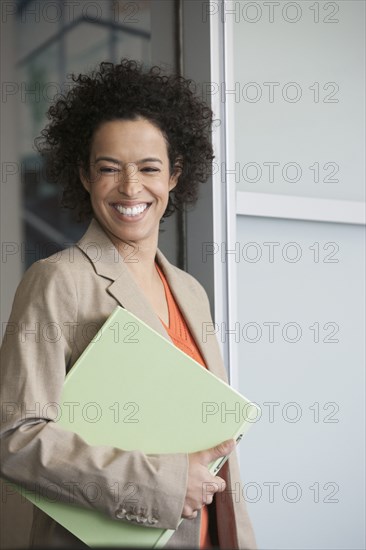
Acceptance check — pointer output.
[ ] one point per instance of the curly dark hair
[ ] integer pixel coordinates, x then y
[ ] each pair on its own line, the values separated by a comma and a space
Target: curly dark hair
126, 91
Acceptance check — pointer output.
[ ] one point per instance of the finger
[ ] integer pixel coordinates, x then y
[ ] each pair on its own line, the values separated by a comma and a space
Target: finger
189, 511
216, 485
220, 484
209, 499
222, 449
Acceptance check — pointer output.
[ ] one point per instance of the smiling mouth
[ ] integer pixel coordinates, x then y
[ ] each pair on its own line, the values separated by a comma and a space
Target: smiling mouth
131, 211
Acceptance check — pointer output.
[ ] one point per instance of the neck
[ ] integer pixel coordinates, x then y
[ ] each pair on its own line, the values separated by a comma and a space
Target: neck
139, 258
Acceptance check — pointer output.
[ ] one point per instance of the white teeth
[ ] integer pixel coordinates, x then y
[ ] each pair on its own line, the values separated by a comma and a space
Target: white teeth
134, 211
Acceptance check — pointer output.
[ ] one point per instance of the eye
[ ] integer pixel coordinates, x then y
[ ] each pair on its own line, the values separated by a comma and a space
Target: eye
150, 169
108, 170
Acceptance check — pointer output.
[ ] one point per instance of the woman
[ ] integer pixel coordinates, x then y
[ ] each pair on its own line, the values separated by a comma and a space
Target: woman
129, 147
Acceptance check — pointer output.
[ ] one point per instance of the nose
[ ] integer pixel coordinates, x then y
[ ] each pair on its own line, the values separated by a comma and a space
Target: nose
129, 182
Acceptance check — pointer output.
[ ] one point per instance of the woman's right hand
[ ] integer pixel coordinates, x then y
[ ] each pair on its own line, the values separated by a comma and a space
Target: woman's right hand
201, 485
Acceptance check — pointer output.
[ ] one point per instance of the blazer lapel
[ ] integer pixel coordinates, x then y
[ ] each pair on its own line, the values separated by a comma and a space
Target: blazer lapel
109, 264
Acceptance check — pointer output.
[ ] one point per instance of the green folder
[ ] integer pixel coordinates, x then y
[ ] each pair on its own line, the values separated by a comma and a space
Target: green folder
138, 391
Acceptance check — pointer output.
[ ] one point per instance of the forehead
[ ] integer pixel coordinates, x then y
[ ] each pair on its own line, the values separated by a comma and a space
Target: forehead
126, 137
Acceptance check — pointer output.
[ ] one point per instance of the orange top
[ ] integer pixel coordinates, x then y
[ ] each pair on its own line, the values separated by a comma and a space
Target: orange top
182, 338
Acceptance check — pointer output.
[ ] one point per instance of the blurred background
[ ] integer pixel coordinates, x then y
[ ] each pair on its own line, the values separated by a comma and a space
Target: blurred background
53, 40
277, 237
68, 42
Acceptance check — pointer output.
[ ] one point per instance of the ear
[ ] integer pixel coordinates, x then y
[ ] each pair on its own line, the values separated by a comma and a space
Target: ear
84, 179
173, 180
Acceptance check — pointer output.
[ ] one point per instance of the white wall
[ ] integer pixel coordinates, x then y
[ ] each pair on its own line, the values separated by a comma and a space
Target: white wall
300, 98
307, 377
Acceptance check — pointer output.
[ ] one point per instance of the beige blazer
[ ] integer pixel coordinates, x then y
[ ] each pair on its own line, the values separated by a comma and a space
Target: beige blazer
59, 306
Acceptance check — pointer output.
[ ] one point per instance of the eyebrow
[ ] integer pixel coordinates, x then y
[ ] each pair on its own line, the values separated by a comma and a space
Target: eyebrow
116, 161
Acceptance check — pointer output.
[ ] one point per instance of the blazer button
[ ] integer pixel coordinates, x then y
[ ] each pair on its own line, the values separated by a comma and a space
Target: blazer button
121, 513
152, 521
139, 519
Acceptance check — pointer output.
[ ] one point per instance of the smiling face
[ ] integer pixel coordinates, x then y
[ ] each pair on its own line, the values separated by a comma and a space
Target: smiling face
129, 180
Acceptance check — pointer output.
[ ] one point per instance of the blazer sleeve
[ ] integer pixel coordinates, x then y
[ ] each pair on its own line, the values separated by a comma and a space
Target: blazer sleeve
42, 456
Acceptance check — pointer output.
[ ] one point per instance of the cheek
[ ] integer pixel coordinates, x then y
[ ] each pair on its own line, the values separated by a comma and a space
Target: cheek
163, 192
100, 188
